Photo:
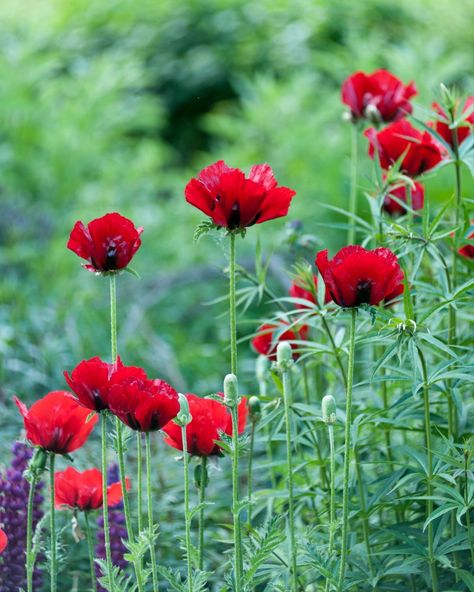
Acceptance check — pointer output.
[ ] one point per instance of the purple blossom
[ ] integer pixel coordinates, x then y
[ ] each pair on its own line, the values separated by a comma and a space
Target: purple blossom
14, 490
117, 527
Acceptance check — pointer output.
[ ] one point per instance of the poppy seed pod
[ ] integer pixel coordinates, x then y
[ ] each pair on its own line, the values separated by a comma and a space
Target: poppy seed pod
231, 390
255, 409
328, 406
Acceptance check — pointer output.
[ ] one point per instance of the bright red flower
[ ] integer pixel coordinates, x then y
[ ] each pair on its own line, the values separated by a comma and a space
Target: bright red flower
108, 243
270, 335
210, 418
395, 208
3, 540
90, 382
441, 125
57, 422
381, 90
233, 200
357, 276
419, 151
144, 405
298, 291
83, 491
468, 250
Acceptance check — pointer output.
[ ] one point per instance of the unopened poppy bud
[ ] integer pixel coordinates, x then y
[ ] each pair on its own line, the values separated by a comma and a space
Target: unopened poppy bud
184, 416
328, 406
38, 462
255, 409
284, 355
231, 390
447, 97
200, 474
372, 114
261, 367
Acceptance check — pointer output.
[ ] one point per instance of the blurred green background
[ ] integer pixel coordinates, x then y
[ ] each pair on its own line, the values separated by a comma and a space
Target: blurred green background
114, 105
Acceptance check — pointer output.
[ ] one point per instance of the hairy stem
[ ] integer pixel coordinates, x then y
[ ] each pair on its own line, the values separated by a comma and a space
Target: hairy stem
332, 495
351, 234
105, 507
52, 526
149, 496
187, 518
250, 475
90, 550
202, 499
29, 534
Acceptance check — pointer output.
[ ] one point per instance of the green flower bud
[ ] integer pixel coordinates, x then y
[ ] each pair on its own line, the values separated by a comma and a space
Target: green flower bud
184, 416
255, 409
231, 390
261, 368
284, 356
200, 473
328, 406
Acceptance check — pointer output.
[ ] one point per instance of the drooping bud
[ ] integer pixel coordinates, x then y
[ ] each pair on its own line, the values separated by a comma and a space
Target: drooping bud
284, 356
200, 475
255, 409
328, 406
447, 97
231, 390
372, 114
184, 416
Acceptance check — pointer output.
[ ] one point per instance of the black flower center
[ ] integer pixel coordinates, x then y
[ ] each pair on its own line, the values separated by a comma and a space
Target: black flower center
111, 256
363, 292
233, 220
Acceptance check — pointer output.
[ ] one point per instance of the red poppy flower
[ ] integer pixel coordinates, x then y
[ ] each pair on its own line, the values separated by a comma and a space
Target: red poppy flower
395, 208
57, 422
468, 250
144, 405
108, 243
441, 125
381, 90
3, 540
210, 418
90, 382
270, 335
357, 276
233, 200
418, 150
83, 491
299, 291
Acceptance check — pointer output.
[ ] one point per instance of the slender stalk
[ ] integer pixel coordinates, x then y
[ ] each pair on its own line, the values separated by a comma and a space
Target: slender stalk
52, 526
29, 534
289, 472
113, 317
202, 499
187, 519
234, 412
105, 507
335, 349
90, 549
429, 469
250, 475
332, 496
139, 481
154, 570
363, 508
351, 234
347, 452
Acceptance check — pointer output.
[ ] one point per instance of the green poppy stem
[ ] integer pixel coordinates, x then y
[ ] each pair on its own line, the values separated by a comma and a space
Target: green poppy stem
202, 499
90, 550
105, 507
187, 518
52, 526
347, 452
351, 234
29, 534
154, 569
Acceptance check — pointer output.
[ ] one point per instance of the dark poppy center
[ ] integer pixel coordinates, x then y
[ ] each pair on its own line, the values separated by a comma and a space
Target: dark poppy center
233, 220
111, 256
363, 292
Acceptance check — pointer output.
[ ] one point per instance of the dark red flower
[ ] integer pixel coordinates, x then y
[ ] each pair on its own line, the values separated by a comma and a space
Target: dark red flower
3, 541
83, 491
418, 150
144, 405
90, 382
382, 91
395, 208
270, 335
210, 418
465, 128
298, 290
57, 422
108, 243
357, 276
233, 200
468, 250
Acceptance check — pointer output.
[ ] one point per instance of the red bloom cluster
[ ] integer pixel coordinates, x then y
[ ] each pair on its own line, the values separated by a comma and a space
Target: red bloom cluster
381, 91
83, 491
417, 150
270, 335
3, 541
210, 418
395, 208
297, 290
107, 243
233, 200
57, 422
441, 125
357, 276
142, 404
